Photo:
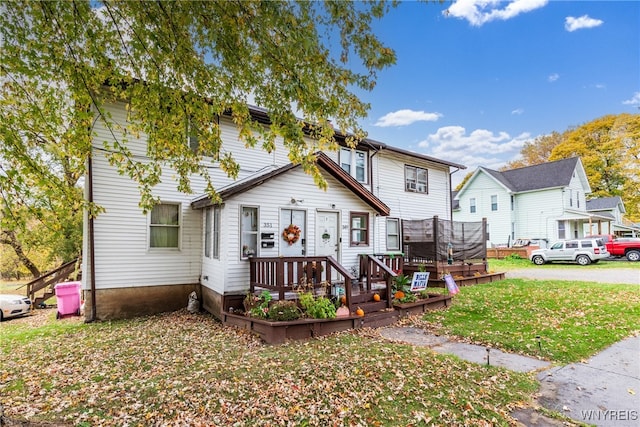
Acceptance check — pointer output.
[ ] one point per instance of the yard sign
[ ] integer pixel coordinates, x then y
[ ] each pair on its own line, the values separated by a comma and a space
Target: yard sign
420, 280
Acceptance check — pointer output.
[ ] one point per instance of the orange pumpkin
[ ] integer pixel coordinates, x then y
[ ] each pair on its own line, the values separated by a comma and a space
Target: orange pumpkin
399, 295
376, 297
360, 312
343, 299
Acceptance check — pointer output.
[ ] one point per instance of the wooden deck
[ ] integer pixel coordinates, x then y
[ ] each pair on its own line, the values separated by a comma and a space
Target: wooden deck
280, 332
282, 277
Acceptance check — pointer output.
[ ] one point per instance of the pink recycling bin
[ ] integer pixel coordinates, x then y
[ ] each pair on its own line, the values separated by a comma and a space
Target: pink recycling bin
68, 295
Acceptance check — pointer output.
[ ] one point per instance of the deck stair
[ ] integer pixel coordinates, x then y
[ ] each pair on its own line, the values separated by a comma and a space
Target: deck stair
41, 288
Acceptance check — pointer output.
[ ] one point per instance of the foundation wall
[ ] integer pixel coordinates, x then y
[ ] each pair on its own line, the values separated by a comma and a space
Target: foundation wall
123, 303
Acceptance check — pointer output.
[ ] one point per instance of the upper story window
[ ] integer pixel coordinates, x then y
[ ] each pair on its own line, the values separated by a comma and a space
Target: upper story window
359, 228
164, 226
513, 202
193, 135
571, 197
354, 162
472, 205
494, 202
416, 179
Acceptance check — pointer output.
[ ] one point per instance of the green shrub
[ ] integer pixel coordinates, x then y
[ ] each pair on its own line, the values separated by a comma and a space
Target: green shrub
512, 257
317, 308
284, 310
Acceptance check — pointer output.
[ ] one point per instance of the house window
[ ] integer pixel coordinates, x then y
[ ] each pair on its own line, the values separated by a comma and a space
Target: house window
415, 179
494, 202
248, 232
359, 228
578, 199
164, 226
393, 234
354, 162
472, 205
513, 202
561, 230
193, 138
212, 232
571, 197
513, 231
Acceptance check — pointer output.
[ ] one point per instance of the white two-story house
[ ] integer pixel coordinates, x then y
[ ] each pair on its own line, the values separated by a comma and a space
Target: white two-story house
546, 201
136, 263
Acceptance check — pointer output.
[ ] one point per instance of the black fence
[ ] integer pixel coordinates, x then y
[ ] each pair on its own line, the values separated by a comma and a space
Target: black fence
437, 239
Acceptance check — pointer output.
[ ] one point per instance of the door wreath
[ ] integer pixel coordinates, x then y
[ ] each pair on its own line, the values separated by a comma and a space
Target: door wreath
291, 234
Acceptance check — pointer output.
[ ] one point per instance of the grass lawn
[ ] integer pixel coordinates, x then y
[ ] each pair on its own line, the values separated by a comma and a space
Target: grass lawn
517, 264
186, 369
573, 320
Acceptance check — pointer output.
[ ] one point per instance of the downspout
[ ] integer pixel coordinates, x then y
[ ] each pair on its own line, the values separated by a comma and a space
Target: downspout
92, 259
450, 197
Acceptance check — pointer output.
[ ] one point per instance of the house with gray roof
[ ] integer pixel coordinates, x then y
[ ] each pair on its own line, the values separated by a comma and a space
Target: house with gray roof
546, 201
613, 208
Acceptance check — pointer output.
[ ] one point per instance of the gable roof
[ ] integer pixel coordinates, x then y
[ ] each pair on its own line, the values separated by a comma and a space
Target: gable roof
261, 115
548, 175
605, 203
322, 160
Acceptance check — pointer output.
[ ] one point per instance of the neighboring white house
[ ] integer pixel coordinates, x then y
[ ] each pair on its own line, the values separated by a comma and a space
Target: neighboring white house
546, 201
138, 264
612, 208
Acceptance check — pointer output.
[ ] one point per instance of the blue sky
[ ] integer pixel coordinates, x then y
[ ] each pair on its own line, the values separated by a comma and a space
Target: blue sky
473, 84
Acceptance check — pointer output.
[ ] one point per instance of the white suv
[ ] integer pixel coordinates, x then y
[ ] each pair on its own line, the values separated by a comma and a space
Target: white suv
583, 251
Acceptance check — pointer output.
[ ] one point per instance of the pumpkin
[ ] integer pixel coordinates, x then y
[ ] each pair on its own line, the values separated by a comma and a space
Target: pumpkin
399, 295
376, 297
343, 299
360, 312
342, 312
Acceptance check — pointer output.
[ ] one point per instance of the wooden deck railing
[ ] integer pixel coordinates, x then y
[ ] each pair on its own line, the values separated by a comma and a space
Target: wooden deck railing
380, 268
288, 274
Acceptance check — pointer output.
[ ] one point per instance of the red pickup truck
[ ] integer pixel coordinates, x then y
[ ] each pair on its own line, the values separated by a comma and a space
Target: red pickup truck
621, 246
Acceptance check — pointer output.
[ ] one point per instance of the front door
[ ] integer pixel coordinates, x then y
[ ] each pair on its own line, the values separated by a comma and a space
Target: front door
293, 244
327, 234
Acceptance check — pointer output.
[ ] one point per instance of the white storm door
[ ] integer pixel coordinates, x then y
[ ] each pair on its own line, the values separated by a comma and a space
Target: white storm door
327, 234
292, 217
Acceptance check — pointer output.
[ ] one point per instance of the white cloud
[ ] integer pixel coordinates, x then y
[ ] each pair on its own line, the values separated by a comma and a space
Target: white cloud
479, 148
406, 117
635, 100
572, 24
518, 111
479, 12
553, 77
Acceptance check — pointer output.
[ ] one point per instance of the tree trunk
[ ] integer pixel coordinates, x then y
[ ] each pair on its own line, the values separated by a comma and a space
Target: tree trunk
9, 238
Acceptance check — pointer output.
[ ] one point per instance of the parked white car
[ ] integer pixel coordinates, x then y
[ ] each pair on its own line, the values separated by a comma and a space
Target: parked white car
583, 251
13, 305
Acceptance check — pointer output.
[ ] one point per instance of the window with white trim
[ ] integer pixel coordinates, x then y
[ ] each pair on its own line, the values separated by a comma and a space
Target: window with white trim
393, 234
164, 226
248, 232
494, 202
416, 179
212, 232
359, 228
354, 162
472, 205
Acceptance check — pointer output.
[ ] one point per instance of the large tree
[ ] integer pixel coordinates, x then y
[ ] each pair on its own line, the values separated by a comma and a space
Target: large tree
176, 65
609, 148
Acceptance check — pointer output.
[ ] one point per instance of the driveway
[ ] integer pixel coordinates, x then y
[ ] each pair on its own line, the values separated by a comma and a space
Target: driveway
584, 274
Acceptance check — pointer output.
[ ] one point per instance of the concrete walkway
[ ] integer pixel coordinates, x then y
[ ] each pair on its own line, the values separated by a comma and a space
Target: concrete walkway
603, 391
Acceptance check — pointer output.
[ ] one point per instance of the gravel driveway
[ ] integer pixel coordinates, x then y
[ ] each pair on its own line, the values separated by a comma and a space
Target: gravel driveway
584, 274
